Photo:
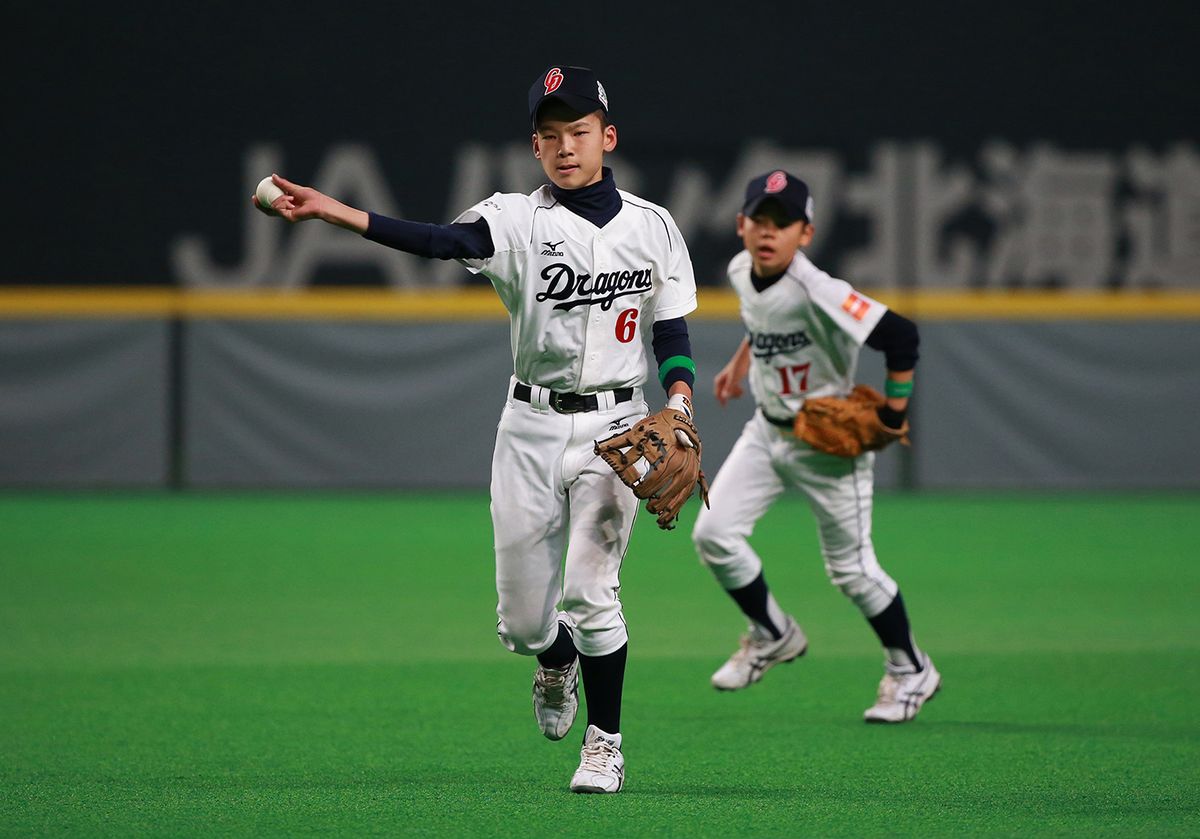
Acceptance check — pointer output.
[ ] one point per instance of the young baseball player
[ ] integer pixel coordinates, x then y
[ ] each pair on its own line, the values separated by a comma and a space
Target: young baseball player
804, 330
584, 270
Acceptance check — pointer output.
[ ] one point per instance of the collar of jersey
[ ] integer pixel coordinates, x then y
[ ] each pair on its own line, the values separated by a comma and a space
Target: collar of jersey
761, 284
598, 203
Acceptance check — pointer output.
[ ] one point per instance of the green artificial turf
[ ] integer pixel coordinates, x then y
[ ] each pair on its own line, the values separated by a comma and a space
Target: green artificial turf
281, 665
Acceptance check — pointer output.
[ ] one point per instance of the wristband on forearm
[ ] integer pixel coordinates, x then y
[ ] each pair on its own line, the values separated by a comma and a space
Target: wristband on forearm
681, 403
897, 390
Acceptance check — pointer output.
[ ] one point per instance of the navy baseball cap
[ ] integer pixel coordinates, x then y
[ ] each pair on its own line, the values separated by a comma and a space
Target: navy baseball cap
576, 87
786, 189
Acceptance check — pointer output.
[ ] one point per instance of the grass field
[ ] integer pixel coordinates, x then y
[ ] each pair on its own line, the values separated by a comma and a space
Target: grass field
270, 665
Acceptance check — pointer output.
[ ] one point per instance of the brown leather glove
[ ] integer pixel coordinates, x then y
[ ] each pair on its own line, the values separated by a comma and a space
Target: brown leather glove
847, 427
674, 466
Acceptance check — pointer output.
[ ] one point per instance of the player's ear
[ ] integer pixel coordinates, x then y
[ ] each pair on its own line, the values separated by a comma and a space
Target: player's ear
610, 137
537, 149
806, 236
741, 224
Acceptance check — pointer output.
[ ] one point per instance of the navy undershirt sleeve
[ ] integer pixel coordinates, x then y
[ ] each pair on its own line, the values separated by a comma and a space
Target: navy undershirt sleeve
671, 339
896, 337
472, 240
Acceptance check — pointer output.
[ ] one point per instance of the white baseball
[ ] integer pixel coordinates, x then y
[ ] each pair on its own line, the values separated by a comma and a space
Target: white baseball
267, 192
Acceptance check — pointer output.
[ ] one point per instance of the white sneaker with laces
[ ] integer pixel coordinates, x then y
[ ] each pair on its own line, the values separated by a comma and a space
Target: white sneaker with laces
601, 764
556, 699
901, 695
758, 653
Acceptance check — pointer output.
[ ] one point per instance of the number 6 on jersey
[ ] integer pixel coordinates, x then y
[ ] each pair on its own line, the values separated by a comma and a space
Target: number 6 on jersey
627, 325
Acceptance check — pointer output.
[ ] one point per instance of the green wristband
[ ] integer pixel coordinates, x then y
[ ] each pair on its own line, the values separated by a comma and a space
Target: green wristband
673, 362
897, 390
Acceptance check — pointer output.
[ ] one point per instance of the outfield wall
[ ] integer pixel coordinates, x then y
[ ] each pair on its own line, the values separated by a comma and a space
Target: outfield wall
379, 389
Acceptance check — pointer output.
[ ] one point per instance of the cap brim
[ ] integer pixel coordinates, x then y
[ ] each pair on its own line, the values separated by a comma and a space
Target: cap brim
754, 204
580, 104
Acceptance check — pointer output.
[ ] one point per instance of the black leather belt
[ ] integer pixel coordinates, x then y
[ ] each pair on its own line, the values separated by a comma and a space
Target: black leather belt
781, 423
572, 403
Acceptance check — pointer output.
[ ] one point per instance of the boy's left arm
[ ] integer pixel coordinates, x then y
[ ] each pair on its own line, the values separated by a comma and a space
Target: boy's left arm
676, 370
897, 338
867, 420
659, 458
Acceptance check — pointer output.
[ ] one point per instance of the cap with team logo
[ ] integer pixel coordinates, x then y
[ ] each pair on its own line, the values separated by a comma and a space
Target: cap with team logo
576, 87
788, 191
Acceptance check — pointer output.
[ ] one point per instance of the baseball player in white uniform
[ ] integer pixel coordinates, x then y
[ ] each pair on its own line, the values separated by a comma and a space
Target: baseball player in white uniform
585, 271
804, 330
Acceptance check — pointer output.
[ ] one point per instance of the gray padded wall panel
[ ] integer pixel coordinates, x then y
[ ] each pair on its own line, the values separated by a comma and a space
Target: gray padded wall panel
342, 404
83, 403
1059, 405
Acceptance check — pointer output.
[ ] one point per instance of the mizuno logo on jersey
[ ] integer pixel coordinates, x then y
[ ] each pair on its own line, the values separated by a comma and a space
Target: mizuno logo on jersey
585, 290
855, 306
767, 344
552, 248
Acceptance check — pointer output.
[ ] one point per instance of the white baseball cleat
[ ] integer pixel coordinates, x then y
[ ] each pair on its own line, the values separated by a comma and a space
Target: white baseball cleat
601, 764
556, 699
901, 695
758, 653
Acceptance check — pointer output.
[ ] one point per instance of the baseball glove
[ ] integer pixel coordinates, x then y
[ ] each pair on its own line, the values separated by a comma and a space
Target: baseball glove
847, 427
667, 445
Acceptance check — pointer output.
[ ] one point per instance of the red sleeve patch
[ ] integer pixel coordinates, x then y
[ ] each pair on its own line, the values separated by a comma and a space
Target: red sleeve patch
855, 306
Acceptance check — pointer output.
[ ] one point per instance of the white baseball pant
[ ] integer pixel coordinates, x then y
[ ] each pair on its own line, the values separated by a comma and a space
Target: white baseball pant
551, 494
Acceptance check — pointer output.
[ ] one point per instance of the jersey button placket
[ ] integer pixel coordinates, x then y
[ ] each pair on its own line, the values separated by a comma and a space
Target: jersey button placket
589, 369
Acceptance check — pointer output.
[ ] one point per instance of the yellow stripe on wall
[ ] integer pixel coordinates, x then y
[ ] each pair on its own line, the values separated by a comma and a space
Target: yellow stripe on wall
481, 303
309, 304
1008, 305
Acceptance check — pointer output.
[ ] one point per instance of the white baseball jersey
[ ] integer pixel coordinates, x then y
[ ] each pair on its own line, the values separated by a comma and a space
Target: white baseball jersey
579, 295
805, 332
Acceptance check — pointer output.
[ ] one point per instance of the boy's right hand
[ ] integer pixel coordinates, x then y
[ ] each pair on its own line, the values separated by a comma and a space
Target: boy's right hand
727, 384
300, 203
